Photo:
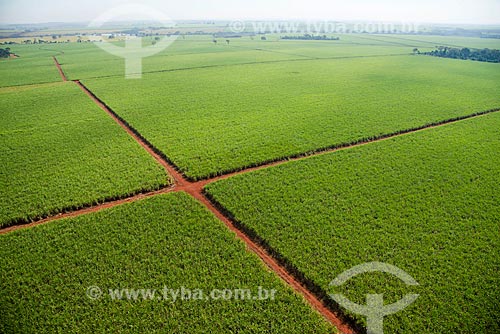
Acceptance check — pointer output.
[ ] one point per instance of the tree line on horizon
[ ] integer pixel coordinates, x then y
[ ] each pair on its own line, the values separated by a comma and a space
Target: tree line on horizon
309, 37
485, 55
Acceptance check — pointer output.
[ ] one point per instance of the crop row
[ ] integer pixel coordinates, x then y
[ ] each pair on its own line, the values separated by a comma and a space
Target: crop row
253, 114
21, 71
91, 62
167, 241
63, 156
425, 202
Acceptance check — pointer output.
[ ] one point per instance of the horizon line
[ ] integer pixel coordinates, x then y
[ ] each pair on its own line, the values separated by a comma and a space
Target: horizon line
346, 21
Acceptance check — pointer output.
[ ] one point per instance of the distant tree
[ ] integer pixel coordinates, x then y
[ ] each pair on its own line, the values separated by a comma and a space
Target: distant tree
263, 38
415, 51
466, 53
54, 36
215, 41
5, 53
228, 41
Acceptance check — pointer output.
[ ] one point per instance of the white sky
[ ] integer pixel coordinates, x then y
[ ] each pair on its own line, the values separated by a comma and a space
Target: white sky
432, 11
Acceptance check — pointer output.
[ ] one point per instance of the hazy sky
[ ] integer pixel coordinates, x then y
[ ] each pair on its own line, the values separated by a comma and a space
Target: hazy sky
437, 11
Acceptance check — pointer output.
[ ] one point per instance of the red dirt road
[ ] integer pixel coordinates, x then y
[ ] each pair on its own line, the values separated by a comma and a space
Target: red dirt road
85, 211
59, 68
178, 178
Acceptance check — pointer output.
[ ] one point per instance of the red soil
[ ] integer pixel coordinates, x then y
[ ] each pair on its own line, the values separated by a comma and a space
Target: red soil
85, 211
61, 72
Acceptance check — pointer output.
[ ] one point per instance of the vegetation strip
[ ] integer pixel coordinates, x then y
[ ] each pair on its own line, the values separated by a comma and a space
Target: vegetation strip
61, 157
484, 55
344, 146
254, 63
26, 71
273, 51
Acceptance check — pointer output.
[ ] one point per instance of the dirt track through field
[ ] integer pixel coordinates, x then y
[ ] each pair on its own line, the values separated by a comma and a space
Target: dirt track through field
195, 189
178, 179
92, 209
59, 68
